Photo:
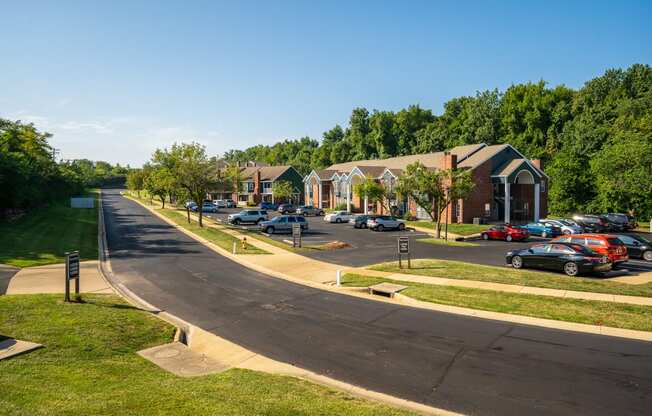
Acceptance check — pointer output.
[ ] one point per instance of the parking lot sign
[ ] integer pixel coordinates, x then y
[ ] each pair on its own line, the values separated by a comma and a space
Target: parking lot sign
296, 235
403, 249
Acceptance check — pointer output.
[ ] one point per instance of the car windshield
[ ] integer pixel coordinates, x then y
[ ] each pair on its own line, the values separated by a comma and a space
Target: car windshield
640, 239
614, 241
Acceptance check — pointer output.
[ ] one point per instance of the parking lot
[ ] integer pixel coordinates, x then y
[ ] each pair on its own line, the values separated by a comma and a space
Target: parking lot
368, 247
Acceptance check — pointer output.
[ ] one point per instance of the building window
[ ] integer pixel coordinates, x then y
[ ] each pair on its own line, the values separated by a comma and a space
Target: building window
267, 187
543, 185
250, 187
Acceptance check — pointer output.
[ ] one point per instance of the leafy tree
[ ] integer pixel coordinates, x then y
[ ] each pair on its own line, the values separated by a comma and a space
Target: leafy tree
161, 183
282, 190
374, 192
136, 180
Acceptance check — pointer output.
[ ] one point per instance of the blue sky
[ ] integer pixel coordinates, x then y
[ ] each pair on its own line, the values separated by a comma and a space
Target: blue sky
115, 80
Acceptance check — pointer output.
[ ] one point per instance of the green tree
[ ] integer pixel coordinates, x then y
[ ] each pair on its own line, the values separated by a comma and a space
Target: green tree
136, 180
161, 183
374, 192
282, 190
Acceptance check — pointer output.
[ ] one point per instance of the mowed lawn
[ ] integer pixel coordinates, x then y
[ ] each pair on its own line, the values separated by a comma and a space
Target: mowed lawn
459, 229
43, 235
89, 366
611, 314
449, 269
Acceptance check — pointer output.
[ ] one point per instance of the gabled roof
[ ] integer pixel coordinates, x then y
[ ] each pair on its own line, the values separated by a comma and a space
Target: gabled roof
267, 173
482, 155
509, 168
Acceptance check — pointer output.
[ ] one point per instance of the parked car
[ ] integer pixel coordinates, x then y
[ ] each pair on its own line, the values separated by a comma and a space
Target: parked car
230, 203
620, 222
637, 246
309, 210
338, 216
566, 226
602, 243
253, 216
269, 205
572, 259
283, 223
207, 206
191, 205
287, 208
360, 221
219, 203
505, 232
592, 223
385, 222
543, 229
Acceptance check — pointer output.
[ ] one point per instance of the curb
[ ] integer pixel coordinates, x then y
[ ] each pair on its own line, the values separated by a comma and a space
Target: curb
407, 301
196, 338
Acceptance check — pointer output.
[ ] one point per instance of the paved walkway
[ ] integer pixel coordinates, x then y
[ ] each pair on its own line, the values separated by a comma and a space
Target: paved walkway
50, 279
300, 268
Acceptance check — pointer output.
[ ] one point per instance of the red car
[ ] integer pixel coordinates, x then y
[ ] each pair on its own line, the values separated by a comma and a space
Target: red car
505, 232
602, 243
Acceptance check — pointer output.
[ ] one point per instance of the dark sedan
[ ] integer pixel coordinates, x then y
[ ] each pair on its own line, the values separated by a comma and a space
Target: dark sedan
572, 259
637, 246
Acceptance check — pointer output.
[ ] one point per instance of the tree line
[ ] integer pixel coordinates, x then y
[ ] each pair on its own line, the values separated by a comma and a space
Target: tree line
595, 142
30, 175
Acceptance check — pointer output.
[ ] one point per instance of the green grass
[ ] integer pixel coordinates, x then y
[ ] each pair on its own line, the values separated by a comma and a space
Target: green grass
89, 366
442, 242
459, 229
43, 235
211, 234
616, 315
468, 271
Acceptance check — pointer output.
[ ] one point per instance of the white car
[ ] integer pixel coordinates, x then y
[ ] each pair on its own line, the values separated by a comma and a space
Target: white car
567, 227
338, 216
220, 203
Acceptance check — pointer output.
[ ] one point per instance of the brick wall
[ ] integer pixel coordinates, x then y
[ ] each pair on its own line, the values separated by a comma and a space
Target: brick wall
482, 193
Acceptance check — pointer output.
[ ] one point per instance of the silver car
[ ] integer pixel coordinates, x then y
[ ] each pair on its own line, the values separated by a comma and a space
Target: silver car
283, 223
253, 216
385, 222
309, 210
567, 227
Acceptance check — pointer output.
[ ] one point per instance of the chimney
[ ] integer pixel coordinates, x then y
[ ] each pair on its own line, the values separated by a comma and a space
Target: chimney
257, 186
450, 161
537, 163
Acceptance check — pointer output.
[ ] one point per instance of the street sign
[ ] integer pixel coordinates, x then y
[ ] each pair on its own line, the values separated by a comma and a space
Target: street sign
72, 273
296, 235
403, 245
403, 249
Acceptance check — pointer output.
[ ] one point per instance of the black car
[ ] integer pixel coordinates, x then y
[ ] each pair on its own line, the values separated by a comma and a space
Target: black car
637, 246
592, 223
572, 259
360, 221
623, 222
287, 208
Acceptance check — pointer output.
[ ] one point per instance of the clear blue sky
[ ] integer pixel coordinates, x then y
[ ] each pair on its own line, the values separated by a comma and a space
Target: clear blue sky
114, 80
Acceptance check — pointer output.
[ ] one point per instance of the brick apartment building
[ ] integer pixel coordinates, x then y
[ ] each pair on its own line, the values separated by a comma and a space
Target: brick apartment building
508, 186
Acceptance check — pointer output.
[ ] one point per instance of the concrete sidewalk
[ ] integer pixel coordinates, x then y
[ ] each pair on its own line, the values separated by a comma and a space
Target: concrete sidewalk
50, 279
302, 268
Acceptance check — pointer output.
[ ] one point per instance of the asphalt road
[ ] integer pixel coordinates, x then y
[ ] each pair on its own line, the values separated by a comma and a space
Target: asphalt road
6, 273
463, 364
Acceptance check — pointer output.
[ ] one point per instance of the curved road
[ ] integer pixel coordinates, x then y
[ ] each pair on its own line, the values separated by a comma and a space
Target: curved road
458, 363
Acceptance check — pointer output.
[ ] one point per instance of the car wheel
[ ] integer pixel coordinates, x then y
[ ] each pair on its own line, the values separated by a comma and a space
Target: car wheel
320, 214
571, 269
647, 256
508, 238
401, 227
259, 221
363, 226
544, 234
380, 228
485, 236
236, 221
517, 262
269, 230
337, 220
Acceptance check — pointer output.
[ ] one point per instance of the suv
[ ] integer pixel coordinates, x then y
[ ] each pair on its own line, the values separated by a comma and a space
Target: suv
619, 222
269, 205
219, 203
287, 209
248, 215
602, 243
309, 210
544, 229
283, 223
207, 206
592, 223
385, 222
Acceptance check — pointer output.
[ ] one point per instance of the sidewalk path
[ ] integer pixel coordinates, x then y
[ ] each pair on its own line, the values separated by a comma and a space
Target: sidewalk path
50, 279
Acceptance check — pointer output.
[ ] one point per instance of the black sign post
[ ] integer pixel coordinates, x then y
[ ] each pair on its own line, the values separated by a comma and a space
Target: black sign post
296, 235
403, 249
72, 272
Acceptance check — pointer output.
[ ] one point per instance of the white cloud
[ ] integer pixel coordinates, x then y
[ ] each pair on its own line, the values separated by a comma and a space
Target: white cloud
99, 128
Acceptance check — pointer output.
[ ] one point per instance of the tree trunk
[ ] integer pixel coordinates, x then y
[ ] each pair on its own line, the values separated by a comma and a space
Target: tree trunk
163, 202
188, 213
437, 220
201, 224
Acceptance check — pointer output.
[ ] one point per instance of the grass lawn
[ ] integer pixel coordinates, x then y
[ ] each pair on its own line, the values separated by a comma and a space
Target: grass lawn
89, 366
468, 271
442, 242
43, 235
616, 315
211, 234
460, 229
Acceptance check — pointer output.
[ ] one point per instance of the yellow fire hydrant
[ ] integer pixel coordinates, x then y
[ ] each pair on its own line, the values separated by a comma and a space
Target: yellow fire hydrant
244, 243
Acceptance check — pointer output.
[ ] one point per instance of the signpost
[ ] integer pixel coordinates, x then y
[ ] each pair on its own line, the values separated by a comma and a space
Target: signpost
296, 235
72, 272
403, 249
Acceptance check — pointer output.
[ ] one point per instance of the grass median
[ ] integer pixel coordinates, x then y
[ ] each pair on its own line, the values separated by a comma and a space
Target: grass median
44, 234
469, 271
450, 243
615, 315
89, 366
459, 229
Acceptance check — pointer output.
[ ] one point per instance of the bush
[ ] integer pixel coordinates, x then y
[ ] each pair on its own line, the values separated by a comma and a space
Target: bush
340, 207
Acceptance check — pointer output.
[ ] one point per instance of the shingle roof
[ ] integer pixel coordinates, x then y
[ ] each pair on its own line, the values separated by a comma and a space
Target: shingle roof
481, 156
372, 171
510, 167
267, 173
